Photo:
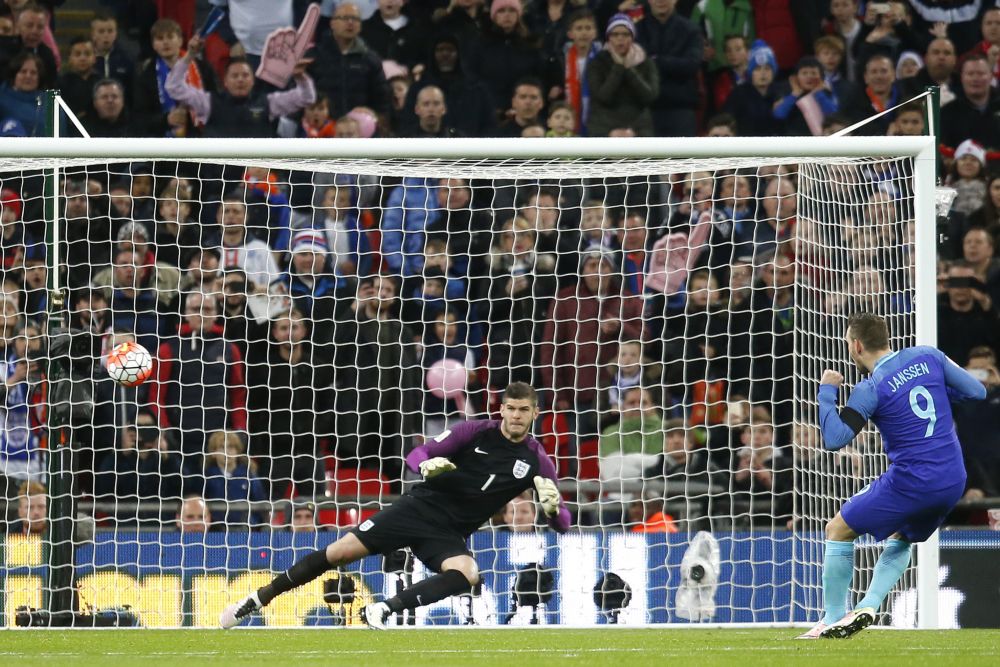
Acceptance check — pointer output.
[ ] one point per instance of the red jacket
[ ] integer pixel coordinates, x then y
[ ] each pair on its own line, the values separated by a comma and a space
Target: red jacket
774, 23
573, 346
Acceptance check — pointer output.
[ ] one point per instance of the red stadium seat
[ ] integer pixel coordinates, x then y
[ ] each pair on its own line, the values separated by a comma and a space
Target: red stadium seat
346, 485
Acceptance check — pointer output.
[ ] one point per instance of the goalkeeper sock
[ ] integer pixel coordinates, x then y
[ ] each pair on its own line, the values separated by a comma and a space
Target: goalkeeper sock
302, 572
838, 566
432, 589
889, 568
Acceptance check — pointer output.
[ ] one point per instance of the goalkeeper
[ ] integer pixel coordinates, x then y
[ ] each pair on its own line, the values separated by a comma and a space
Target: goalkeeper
470, 473
907, 395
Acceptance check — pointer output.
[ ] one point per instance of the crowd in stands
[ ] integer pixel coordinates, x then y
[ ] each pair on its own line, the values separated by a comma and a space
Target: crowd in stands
297, 318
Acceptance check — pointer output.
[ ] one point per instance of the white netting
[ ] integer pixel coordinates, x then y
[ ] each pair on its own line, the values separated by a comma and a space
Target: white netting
313, 321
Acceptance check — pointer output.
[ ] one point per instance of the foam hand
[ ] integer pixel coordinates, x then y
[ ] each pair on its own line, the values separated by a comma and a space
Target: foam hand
548, 495
284, 49
435, 466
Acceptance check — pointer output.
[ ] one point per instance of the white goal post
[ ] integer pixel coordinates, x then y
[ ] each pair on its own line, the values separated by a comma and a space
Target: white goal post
833, 190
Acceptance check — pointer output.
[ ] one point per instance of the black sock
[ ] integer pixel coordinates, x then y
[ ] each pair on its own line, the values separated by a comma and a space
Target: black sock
302, 572
432, 589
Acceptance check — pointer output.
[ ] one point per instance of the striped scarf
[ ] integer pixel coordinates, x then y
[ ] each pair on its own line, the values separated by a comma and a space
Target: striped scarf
577, 88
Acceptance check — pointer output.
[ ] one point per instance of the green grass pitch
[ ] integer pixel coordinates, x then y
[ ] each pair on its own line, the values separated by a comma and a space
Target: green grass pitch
476, 648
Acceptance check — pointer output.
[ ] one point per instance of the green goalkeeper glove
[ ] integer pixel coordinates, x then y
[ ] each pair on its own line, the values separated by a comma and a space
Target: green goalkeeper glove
548, 495
435, 466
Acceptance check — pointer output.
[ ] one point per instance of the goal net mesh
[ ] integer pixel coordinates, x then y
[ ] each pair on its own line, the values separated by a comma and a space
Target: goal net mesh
313, 321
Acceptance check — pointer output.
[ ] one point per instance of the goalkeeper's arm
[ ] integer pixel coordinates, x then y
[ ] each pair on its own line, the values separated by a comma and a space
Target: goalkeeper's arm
549, 497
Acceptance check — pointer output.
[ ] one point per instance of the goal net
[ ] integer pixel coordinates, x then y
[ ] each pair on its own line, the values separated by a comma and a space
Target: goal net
313, 318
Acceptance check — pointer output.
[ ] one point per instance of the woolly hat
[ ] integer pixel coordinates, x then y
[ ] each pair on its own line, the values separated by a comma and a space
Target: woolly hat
497, 5
761, 54
970, 147
133, 232
309, 240
10, 198
620, 20
907, 56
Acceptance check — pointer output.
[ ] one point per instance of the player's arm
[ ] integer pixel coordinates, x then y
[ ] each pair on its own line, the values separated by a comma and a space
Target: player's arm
424, 459
962, 386
840, 427
549, 497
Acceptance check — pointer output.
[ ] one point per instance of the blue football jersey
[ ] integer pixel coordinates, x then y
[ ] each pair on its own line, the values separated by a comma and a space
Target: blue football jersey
908, 397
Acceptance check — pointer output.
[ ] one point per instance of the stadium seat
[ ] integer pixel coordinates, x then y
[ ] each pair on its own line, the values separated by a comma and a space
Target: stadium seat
347, 485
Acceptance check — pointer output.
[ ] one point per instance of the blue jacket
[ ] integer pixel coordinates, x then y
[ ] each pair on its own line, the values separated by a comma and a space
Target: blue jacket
24, 108
412, 208
240, 485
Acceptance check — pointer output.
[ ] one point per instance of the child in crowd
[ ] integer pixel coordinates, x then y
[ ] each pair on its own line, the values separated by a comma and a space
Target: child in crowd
76, 84
316, 121
232, 476
967, 176
581, 48
112, 60
737, 56
561, 120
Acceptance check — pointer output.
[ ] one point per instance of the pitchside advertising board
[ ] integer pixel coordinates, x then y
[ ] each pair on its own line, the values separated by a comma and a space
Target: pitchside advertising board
178, 580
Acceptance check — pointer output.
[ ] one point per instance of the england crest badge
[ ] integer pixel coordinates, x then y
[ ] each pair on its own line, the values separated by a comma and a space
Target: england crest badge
521, 468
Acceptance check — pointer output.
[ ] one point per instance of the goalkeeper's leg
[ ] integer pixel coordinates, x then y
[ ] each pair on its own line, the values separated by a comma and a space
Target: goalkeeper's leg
344, 551
458, 575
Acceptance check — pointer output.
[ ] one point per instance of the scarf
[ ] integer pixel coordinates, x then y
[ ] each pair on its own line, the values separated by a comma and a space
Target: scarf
577, 88
193, 78
324, 131
877, 104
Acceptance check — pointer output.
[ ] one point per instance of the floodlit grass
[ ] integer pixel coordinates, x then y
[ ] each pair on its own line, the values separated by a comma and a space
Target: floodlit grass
519, 647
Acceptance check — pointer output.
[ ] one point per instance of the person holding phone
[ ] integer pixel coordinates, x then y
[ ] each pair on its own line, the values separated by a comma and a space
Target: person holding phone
967, 316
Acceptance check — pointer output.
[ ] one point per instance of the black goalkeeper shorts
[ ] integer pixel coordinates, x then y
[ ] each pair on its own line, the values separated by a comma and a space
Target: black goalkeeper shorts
406, 523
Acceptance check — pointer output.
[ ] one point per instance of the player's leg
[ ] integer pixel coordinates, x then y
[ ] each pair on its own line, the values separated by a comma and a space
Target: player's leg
344, 551
838, 568
891, 565
456, 574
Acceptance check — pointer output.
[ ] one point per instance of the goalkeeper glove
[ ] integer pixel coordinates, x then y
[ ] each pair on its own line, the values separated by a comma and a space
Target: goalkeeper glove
435, 466
548, 495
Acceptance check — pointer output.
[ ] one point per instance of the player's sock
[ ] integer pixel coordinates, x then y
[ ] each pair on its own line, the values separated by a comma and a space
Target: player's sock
432, 589
302, 572
889, 568
838, 566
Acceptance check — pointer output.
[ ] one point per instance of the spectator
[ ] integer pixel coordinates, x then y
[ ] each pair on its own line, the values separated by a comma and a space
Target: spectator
550, 20
230, 476
583, 328
346, 227
507, 53
989, 30
623, 83
463, 19
988, 216
843, 22
76, 84
687, 470
725, 79
378, 380
156, 112
967, 317
519, 514
761, 476
972, 115
36, 284
430, 110
240, 109
887, 31
316, 122
721, 125
395, 33
648, 515
979, 430
310, 280
631, 369
19, 448
562, 121
830, 54
346, 70
674, 45
752, 102
144, 467
938, 70
801, 108
472, 108
631, 445
577, 55
176, 232
879, 94
198, 385
30, 25
130, 287
21, 93
909, 121
15, 240
304, 518
526, 107
112, 60
290, 406
967, 176
32, 510
193, 516
109, 117
419, 206
240, 250
446, 338
978, 250
723, 22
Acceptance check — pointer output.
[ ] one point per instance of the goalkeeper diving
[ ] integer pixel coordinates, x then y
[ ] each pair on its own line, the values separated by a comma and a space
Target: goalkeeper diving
469, 473
908, 396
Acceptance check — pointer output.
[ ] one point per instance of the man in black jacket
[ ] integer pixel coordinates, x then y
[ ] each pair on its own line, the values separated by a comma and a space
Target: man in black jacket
395, 34
346, 70
675, 46
973, 114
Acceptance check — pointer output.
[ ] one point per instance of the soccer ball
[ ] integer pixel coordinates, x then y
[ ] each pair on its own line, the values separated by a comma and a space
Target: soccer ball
129, 364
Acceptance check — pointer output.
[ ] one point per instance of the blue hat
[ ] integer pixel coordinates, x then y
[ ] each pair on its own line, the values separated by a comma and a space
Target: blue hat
11, 127
761, 54
620, 19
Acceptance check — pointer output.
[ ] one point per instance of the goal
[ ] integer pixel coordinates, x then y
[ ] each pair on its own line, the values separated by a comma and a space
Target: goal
316, 309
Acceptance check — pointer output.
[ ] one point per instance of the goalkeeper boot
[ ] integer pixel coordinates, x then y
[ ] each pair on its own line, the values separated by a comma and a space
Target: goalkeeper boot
851, 624
814, 632
234, 613
375, 615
